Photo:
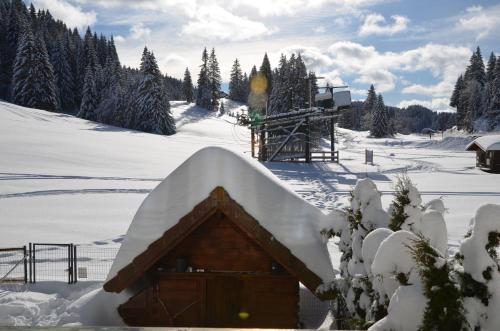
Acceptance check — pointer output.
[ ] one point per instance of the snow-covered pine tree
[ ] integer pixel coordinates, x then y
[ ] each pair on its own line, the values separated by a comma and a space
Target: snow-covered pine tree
43, 73
300, 87
494, 110
89, 96
368, 108
280, 100
33, 80
214, 79
245, 88
63, 77
380, 121
203, 95
445, 307
266, 71
16, 24
222, 109
23, 82
236, 88
456, 101
153, 108
187, 86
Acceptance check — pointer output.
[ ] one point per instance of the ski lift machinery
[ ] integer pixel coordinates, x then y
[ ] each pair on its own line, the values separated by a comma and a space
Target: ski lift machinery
291, 136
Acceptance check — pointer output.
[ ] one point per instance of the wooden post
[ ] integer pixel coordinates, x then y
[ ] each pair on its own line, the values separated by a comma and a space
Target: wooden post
308, 141
332, 138
252, 133
262, 145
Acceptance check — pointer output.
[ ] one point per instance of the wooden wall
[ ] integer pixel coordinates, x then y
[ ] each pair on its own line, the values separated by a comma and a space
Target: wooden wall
219, 245
216, 300
237, 279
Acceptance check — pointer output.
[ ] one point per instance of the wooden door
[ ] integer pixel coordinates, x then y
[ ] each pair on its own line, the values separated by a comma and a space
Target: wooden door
223, 301
168, 302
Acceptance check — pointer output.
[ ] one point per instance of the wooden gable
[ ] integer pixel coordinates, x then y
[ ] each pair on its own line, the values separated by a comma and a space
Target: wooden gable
218, 201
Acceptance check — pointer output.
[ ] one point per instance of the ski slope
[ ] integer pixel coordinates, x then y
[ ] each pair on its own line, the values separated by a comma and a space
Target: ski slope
64, 179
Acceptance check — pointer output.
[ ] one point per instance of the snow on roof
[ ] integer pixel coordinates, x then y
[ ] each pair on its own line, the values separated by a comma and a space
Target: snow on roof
486, 143
292, 220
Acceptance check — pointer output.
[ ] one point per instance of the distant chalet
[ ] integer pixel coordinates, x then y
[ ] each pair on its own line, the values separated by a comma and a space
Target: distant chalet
487, 150
220, 243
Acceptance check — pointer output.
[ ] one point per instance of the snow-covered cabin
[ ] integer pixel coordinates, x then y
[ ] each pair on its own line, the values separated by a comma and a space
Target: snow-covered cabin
221, 242
487, 150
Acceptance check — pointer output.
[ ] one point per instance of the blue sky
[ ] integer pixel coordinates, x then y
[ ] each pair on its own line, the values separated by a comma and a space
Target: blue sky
412, 51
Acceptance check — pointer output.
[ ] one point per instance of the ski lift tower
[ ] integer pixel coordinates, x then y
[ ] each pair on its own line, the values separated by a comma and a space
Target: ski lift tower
295, 136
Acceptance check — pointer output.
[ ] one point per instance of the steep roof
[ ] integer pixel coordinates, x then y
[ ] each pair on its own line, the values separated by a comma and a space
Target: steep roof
485, 143
291, 221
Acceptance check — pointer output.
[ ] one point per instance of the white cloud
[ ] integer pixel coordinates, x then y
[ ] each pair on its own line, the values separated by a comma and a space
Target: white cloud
216, 23
437, 104
369, 66
173, 65
375, 24
138, 32
479, 21
72, 15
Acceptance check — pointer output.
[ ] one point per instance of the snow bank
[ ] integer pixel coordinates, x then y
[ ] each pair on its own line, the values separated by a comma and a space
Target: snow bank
293, 221
448, 143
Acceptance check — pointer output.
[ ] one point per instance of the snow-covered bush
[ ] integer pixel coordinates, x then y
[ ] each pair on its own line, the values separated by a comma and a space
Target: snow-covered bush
479, 269
395, 273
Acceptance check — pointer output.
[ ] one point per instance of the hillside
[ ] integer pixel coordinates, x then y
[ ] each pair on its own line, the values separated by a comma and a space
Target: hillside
69, 180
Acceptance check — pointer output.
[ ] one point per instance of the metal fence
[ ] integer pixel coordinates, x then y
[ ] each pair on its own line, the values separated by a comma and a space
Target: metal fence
13, 265
55, 262
94, 262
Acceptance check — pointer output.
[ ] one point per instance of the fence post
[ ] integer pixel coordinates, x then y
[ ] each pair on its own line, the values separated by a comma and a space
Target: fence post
25, 256
29, 253
70, 264
34, 263
75, 270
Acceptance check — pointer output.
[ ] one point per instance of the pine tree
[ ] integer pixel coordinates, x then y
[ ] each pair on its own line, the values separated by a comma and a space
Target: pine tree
33, 80
279, 101
456, 101
222, 109
236, 88
153, 108
187, 86
23, 83
203, 96
266, 71
43, 73
380, 122
214, 79
368, 108
89, 96
63, 77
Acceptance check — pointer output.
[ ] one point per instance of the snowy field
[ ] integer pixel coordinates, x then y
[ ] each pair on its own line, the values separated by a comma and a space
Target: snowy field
63, 179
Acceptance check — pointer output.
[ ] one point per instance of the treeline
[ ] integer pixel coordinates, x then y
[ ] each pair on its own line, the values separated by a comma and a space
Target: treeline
273, 91
381, 120
45, 65
477, 94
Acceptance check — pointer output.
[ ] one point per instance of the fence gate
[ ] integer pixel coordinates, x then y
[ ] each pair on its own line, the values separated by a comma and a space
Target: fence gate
13, 265
53, 262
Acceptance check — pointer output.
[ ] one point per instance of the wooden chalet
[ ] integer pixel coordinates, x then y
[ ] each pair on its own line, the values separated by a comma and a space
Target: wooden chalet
220, 264
487, 150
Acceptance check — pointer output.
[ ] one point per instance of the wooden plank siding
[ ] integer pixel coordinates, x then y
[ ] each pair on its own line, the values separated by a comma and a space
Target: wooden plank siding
219, 200
215, 300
